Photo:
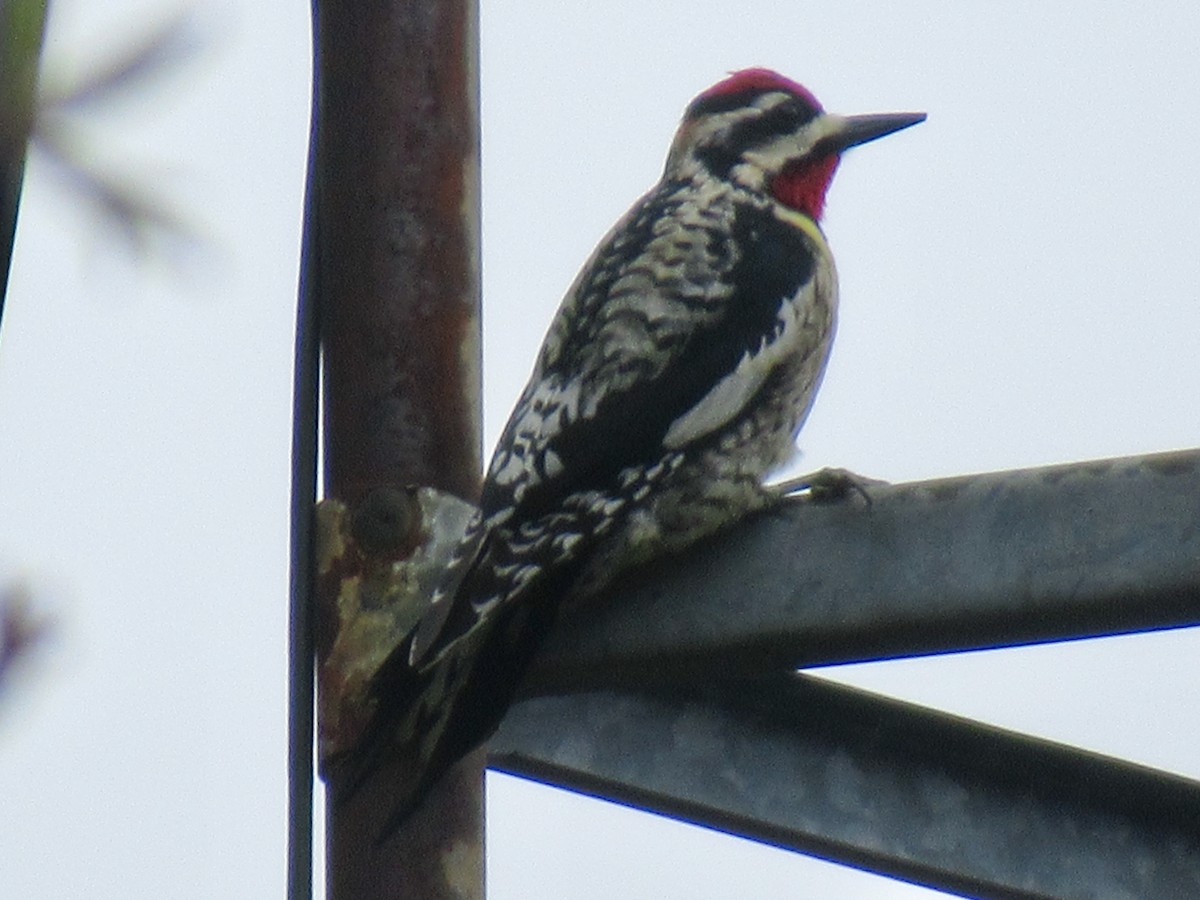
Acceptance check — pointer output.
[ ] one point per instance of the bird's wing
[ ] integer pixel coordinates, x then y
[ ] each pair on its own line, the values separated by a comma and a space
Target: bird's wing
666, 336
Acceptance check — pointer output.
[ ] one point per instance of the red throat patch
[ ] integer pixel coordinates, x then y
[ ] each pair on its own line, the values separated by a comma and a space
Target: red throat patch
802, 187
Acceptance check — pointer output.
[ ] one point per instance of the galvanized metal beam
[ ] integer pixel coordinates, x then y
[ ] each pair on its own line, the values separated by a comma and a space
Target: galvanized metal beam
991, 560
965, 563
878, 784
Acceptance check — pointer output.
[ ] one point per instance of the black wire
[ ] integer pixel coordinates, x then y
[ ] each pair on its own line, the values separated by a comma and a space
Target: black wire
301, 654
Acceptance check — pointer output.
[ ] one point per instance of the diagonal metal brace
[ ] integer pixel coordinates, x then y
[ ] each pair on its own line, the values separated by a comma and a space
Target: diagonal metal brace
992, 560
883, 785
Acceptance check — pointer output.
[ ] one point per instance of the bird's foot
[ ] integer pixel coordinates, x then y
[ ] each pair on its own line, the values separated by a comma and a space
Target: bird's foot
828, 485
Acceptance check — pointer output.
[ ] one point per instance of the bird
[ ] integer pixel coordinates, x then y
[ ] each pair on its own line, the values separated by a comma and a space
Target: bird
672, 381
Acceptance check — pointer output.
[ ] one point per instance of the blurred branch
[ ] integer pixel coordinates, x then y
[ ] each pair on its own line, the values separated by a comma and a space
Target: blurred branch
163, 50
143, 221
22, 24
147, 224
20, 631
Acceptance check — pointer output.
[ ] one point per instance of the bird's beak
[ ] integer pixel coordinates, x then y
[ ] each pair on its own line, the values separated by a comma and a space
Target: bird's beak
850, 131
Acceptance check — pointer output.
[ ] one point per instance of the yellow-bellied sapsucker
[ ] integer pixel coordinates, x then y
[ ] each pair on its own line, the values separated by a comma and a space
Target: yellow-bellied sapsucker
674, 377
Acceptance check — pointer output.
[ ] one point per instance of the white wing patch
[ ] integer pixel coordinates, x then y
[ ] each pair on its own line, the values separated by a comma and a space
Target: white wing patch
729, 396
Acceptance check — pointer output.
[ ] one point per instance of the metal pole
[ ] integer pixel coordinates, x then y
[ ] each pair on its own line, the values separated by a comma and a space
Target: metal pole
398, 261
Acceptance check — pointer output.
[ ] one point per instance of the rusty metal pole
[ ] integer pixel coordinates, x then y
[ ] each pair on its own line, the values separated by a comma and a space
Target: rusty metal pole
397, 204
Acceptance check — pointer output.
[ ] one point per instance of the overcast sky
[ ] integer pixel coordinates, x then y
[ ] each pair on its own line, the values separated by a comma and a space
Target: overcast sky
1020, 287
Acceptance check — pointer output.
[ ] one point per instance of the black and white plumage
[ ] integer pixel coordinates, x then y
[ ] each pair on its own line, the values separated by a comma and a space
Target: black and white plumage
673, 379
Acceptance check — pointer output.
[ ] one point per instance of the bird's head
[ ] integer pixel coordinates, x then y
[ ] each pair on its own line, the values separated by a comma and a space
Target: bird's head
770, 134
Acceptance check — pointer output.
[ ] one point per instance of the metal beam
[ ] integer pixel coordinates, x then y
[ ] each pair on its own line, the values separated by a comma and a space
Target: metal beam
839, 773
990, 560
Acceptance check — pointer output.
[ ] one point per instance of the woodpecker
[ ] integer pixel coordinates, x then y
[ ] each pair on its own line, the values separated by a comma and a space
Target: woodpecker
674, 377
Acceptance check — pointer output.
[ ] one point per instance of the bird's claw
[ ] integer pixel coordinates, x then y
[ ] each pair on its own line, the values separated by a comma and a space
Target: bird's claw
828, 485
